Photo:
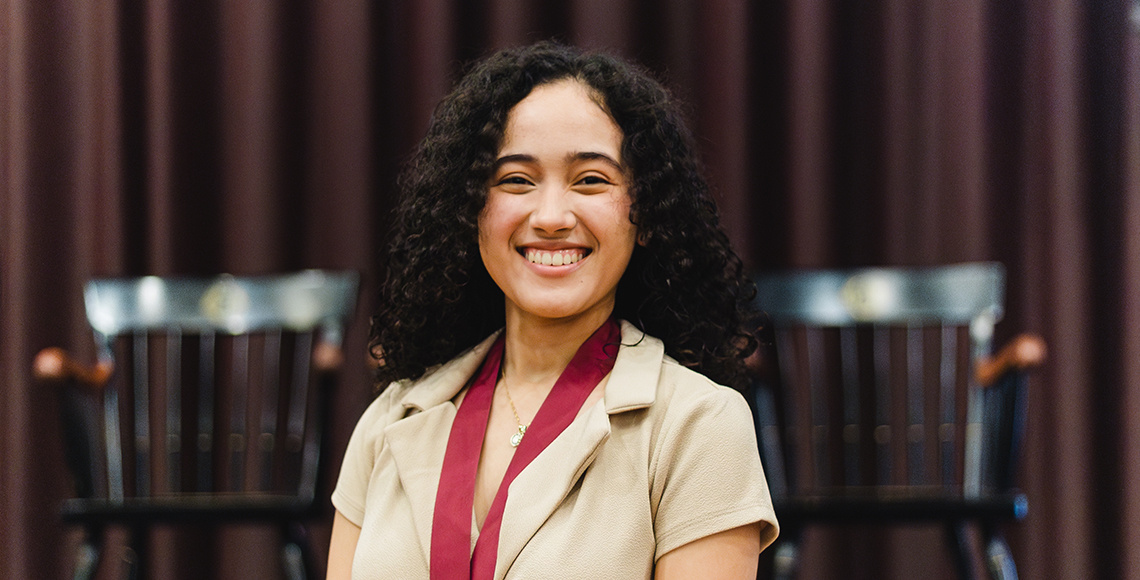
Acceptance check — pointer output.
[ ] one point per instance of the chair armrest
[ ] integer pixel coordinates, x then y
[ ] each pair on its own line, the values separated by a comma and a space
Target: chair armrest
55, 365
1023, 352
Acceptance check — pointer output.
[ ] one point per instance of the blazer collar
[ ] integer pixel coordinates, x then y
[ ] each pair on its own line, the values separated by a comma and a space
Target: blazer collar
633, 380
429, 409
544, 484
632, 384
440, 384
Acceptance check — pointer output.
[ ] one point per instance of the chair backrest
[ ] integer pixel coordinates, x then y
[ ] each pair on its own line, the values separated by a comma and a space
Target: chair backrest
215, 390
873, 379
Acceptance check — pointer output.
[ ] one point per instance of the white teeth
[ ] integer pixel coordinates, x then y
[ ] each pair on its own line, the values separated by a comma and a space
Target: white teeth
559, 258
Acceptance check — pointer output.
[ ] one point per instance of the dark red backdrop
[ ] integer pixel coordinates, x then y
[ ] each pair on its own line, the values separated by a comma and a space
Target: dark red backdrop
194, 136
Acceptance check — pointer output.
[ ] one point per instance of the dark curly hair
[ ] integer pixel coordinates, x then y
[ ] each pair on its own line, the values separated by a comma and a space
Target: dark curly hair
684, 284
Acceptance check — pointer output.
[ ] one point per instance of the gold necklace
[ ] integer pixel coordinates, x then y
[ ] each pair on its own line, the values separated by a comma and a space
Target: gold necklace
517, 437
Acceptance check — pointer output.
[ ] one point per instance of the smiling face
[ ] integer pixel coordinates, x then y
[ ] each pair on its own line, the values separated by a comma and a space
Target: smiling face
555, 233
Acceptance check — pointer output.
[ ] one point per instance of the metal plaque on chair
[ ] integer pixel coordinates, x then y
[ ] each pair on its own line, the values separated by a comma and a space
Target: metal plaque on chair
868, 295
226, 303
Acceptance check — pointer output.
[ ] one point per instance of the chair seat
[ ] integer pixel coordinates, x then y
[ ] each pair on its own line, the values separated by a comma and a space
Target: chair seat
187, 508
882, 505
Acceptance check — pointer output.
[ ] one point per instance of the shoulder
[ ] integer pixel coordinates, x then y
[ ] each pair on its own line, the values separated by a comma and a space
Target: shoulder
384, 410
687, 388
690, 404
675, 384
645, 377
683, 409
705, 474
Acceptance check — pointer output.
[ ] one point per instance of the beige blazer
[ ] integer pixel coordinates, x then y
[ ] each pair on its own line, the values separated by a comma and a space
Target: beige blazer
665, 458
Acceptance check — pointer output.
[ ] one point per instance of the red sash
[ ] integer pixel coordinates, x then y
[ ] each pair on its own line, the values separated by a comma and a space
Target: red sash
451, 558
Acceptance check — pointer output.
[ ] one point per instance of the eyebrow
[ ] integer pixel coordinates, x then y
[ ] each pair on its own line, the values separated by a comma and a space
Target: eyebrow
570, 158
593, 156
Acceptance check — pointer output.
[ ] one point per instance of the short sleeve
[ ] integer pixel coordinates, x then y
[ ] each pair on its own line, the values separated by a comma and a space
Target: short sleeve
352, 485
707, 476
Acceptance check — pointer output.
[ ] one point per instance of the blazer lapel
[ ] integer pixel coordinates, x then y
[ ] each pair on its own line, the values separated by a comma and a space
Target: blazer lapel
540, 488
419, 456
538, 491
418, 460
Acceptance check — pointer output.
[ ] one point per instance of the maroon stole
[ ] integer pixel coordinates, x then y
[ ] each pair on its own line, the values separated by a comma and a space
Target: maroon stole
451, 557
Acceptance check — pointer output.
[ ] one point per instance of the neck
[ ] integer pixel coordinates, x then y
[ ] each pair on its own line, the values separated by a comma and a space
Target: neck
538, 350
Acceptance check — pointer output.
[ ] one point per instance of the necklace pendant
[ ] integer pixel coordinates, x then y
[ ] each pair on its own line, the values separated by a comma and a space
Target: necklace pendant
517, 437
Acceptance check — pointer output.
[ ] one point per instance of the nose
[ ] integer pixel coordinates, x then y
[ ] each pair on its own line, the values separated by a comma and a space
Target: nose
553, 213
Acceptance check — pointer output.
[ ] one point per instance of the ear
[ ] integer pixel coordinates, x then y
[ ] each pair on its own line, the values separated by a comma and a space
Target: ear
642, 238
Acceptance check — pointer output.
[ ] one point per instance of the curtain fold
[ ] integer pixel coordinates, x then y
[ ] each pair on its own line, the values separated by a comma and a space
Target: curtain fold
182, 137
1130, 288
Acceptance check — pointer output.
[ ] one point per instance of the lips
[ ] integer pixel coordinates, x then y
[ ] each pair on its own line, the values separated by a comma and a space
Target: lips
554, 257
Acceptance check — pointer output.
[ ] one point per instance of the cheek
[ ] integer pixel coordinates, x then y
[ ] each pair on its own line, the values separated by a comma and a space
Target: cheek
487, 223
486, 243
481, 236
622, 225
496, 226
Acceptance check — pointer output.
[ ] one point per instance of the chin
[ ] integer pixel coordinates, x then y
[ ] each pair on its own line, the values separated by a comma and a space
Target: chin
555, 313
558, 310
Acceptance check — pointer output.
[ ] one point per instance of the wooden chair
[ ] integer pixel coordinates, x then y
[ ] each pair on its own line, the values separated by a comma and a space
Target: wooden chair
206, 405
878, 402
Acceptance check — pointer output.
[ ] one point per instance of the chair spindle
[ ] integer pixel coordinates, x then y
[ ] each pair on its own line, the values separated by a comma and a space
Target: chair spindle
881, 360
239, 395
206, 367
142, 413
916, 405
849, 362
948, 381
298, 410
174, 410
270, 397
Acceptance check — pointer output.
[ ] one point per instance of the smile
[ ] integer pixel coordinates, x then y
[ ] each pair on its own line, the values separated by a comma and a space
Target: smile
555, 258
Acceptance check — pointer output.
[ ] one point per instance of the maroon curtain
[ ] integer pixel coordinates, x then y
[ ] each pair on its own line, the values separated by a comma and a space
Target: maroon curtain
198, 136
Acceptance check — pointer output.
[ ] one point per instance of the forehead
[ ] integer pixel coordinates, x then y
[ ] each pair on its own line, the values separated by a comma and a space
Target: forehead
563, 113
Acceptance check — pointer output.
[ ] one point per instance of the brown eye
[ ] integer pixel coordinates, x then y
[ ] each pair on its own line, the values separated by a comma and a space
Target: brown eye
593, 183
515, 184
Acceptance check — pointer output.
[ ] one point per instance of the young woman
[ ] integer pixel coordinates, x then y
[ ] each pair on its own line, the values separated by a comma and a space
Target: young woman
560, 307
